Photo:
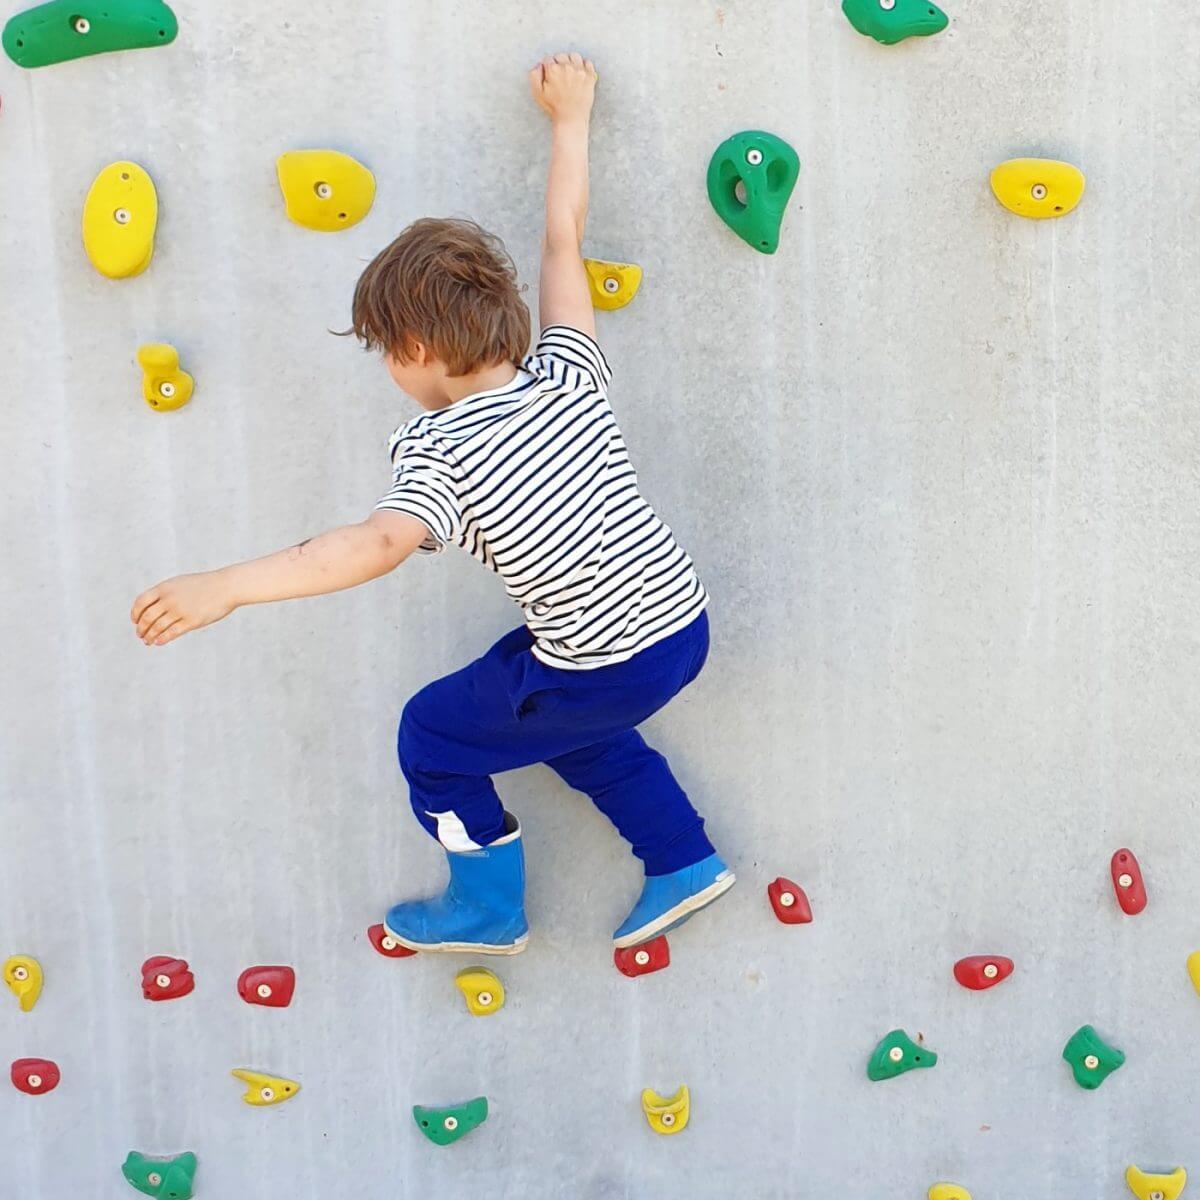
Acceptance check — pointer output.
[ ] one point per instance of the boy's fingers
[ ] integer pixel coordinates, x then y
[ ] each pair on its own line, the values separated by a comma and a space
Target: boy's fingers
140, 603
153, 613
591, 66
576, 60
171, 633
162, 622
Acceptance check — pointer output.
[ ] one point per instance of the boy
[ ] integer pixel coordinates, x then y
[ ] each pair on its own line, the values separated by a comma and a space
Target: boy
525, 468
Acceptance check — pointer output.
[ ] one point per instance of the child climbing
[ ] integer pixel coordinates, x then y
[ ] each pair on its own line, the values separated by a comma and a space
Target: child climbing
517, 458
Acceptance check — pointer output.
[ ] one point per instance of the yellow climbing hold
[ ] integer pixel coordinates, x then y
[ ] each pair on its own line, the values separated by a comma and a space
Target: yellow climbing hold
667, 1115
24, 978
1038, 187
1194, 969
264, 1090
948, 1191
164, 386
483, 991
612, 284
1156, 1187
325, 189
120, 216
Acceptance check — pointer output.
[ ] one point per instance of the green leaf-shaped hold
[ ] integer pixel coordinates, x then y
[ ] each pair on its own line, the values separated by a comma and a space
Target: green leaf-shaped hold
767, 168
164, 1178
1091, 1058
443, 1126
66, 29
891, 21
896, 1054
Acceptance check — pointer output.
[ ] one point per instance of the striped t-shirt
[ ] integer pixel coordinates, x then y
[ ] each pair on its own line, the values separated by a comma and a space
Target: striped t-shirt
534, 480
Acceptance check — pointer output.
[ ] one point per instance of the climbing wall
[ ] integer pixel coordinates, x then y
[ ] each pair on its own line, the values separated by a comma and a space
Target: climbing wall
936, 462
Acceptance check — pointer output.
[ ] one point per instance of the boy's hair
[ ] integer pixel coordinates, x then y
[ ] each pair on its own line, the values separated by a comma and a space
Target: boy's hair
448, 284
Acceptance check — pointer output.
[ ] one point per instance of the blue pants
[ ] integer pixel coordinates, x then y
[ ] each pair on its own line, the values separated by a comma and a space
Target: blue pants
508, 710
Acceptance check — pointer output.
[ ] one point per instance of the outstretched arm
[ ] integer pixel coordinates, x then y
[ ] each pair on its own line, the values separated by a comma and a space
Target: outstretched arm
565, 85
341, 558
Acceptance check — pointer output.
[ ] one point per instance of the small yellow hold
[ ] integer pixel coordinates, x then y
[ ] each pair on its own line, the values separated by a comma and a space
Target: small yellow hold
1038, 187
24, 978
266, 1089
667, 1116
948, 1191
325, 189
1193, 965
612, 284
120, 216
483, 991
1156, 1187
164, 386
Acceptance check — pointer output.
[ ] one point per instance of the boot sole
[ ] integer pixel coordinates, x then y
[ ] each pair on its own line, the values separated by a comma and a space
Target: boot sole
457, 947
678, 914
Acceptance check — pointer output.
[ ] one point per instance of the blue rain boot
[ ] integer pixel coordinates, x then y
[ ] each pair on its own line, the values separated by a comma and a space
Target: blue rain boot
668, 900
482, 911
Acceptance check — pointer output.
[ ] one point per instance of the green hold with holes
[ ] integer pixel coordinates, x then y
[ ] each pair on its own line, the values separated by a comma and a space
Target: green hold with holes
766, 168
444, 1126
66, 29
171, 1178
896, 1054
891, 21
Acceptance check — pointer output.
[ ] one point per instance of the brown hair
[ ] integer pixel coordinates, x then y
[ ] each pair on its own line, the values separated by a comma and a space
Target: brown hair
448, 284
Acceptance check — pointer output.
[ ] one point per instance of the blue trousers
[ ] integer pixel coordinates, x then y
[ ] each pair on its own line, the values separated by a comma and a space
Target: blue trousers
508, 710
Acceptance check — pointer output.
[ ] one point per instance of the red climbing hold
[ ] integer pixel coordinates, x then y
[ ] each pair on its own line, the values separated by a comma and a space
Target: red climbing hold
272, 987
789, 902
166, 978
386, 944
644, 959
1127, 882
982, 971
35, 1076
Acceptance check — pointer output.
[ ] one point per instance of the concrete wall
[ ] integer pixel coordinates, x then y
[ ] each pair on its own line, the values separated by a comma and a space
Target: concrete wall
937, 465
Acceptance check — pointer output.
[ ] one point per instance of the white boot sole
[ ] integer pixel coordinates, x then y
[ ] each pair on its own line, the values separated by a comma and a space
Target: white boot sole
684, 908
457, 947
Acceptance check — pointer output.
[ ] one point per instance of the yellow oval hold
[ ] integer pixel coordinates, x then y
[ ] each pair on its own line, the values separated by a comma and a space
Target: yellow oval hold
948, 1191
165, 387
667, 1115
1193, 966
120, 216
1038, 187
612, 284
325, 189
482, 990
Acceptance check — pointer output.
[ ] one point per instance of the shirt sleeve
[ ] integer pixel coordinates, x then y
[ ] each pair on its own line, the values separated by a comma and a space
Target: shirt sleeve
424, 486
570, 358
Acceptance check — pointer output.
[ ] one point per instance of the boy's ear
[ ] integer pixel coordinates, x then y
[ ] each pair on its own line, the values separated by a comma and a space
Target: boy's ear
416, 352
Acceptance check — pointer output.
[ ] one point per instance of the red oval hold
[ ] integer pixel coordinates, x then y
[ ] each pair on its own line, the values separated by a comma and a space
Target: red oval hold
789, 902
35, 1076
982, 971
166, 978
271, 987
1128, 882
386, 944
644, 959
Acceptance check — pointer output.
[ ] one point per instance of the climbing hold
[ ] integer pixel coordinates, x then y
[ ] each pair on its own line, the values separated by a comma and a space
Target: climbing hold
1091, 1059
265, 1090
982, 971
166, 978
66, 29
120, 216
1193, 966
750, 178
667, 1116
789, 902
444, 1126
24, 978
35, 1076
325, 189
891, 21
1038, 187
164, 386
386, 944
482, 989
948, 1191
896, 1054
643, 959
612, 284
1128, 883
1156, 1187
271, 987
171, 1178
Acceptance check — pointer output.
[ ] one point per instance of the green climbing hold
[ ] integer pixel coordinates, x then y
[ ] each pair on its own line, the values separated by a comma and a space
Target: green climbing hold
164, 1178
66, 29
1091, 1058
443, 1126
891, 21
766, 167
896, 1054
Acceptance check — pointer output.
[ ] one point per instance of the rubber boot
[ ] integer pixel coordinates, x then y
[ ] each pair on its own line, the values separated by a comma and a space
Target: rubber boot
669, 900
482, 911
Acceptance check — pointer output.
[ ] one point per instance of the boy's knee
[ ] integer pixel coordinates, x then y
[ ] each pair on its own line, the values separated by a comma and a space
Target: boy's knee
408, 734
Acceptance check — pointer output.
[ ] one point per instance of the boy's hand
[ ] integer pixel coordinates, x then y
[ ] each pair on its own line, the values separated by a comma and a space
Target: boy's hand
177, 606
565, 86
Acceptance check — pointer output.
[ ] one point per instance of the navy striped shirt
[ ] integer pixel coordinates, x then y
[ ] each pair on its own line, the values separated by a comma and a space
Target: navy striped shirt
534, 480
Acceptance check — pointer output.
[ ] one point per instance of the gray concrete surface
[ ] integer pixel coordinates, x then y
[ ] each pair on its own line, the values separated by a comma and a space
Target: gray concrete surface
937, 465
